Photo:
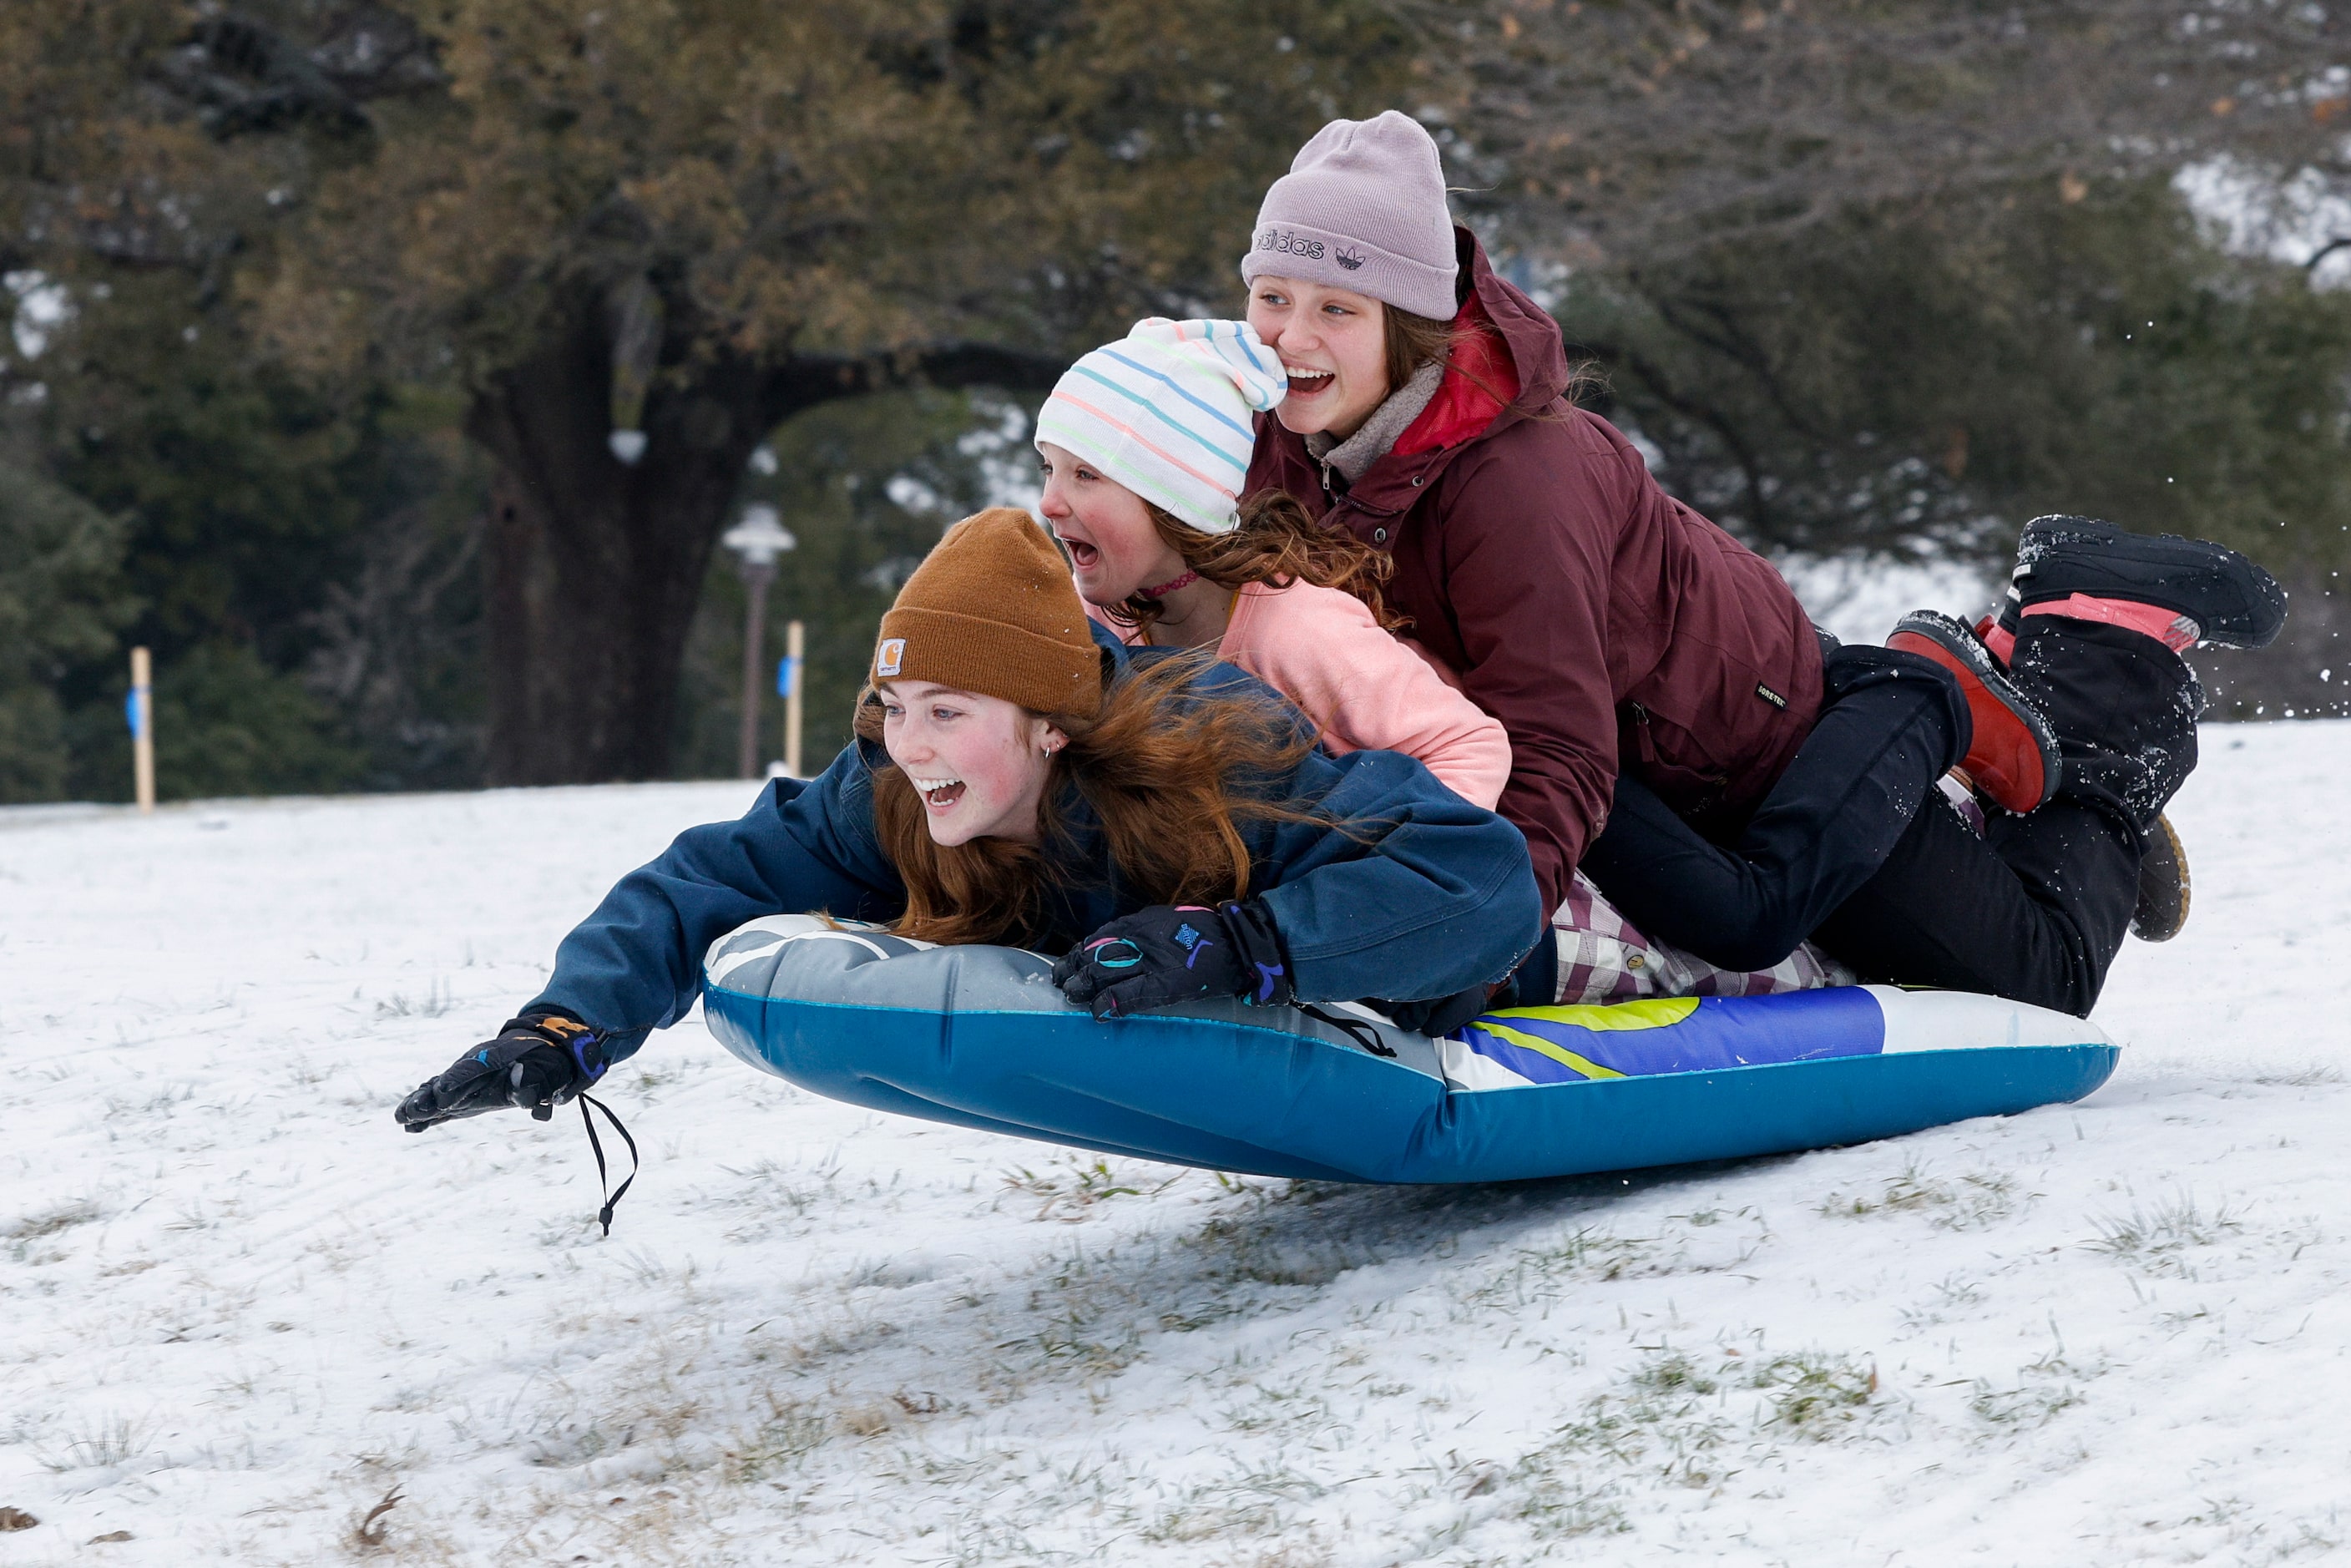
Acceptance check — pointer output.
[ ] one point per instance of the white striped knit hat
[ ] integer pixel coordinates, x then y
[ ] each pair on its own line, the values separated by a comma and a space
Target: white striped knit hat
1165, 409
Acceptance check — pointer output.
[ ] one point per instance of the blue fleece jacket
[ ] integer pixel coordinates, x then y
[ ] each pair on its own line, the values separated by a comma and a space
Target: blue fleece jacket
1422, 895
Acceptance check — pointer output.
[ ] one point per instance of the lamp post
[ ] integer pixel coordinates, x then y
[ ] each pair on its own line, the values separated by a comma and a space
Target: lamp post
757, 540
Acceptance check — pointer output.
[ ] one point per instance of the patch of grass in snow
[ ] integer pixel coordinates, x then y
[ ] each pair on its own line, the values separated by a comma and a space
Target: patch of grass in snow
1586, 1254
1668, 1419
1589, 1254
1084, 1343
49, 1221
1070, 1195
28, 1425
159, 1103
1677, 1419
783, 1195
1246, 1502
779, 1444
1950, 1293
2312, 1537
1274, 1240
1974, 1199
2310, 1077
2025, 1406
104, 1444
1557, 1498
1295, 1411
1250, 1248
1310, 1552
2157, 1236
1813, 1393
438, 1001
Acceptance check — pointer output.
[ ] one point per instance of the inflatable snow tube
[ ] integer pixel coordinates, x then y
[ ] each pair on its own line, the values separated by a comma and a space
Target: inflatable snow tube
978, 1037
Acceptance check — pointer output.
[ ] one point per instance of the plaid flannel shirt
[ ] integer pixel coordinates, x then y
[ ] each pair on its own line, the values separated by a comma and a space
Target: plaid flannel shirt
1602, 958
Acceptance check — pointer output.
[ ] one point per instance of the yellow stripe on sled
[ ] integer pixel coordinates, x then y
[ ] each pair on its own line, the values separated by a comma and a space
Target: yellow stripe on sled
1558, 1053
1653, 1012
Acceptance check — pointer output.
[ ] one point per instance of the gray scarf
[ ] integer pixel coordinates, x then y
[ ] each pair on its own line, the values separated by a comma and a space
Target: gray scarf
1379, 434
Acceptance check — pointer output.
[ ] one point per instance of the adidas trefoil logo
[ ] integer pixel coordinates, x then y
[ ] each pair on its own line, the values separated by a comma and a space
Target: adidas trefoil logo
1350, 259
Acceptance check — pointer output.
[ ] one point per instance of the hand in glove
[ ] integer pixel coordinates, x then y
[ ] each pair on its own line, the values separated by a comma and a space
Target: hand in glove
1164, 955
538, 1061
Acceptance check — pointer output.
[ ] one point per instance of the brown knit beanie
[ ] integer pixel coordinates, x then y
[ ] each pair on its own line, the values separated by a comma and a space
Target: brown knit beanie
992, 610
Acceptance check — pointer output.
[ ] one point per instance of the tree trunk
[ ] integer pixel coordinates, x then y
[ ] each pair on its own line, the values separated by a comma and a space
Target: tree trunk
594, 566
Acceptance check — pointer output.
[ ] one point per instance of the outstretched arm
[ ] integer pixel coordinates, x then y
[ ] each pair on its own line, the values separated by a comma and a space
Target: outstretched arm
635, 964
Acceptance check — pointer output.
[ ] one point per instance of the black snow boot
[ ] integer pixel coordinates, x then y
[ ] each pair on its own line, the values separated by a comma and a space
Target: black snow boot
2122, 708
2231, 602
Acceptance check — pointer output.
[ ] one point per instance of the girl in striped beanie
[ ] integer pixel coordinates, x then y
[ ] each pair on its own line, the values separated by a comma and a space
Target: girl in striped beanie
1145, 443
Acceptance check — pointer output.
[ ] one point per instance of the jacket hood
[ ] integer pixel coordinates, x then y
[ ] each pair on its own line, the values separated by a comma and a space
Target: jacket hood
1518, 365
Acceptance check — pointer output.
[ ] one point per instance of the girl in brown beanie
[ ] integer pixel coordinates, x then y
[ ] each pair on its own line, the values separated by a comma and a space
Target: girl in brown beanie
1162, 822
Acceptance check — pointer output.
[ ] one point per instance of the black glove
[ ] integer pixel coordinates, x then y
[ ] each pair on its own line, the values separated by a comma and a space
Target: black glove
1439, 1015
1164, 955
538, 1061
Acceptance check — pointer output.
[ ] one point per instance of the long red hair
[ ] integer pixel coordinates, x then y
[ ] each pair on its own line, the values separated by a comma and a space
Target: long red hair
1277, 541
1158, 765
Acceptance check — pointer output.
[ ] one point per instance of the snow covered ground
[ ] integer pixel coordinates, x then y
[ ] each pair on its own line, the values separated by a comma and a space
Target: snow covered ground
239, 1309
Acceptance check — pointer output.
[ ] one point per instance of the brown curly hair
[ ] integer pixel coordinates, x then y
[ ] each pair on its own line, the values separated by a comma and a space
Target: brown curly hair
1277, 541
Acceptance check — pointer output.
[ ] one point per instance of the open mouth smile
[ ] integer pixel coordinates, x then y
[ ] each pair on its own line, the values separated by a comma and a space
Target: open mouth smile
938, 794
1083, 555
1305, 380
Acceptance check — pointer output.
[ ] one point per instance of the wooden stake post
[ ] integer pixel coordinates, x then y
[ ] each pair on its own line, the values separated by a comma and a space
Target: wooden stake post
142, 728
795, 651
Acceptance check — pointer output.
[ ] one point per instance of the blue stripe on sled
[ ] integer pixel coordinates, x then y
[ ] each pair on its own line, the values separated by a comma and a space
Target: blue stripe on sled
1746, 1031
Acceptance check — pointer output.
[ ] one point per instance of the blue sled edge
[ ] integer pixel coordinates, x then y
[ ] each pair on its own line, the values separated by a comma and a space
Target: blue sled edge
1199, 1093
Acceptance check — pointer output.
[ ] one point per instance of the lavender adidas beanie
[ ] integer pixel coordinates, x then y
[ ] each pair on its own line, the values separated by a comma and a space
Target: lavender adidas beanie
1362, 208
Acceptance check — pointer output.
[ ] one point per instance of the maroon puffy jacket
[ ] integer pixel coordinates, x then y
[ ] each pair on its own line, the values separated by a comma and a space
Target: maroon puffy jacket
1607, 625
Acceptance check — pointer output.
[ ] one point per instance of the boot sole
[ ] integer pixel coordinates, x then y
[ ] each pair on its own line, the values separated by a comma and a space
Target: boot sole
2020, 778
2163, 886
2234, 604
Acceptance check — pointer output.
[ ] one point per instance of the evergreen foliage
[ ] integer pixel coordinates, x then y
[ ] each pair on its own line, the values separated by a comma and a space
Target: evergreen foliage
61, 600
1925, 379
327, 309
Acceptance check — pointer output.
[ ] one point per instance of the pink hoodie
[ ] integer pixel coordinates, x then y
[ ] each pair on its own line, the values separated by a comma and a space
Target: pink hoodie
1363, 688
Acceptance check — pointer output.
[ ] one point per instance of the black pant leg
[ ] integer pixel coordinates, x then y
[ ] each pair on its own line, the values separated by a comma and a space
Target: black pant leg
2034, 911
1890, 724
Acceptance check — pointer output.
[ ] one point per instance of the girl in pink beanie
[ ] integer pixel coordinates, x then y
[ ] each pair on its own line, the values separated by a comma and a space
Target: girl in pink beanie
1145, 442
1679, 731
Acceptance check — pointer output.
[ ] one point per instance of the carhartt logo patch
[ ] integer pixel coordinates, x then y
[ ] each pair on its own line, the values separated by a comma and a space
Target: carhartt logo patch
893, 653
1769, 695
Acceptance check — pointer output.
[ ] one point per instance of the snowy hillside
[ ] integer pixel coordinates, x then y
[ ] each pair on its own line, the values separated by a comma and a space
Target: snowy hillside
239, 1308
